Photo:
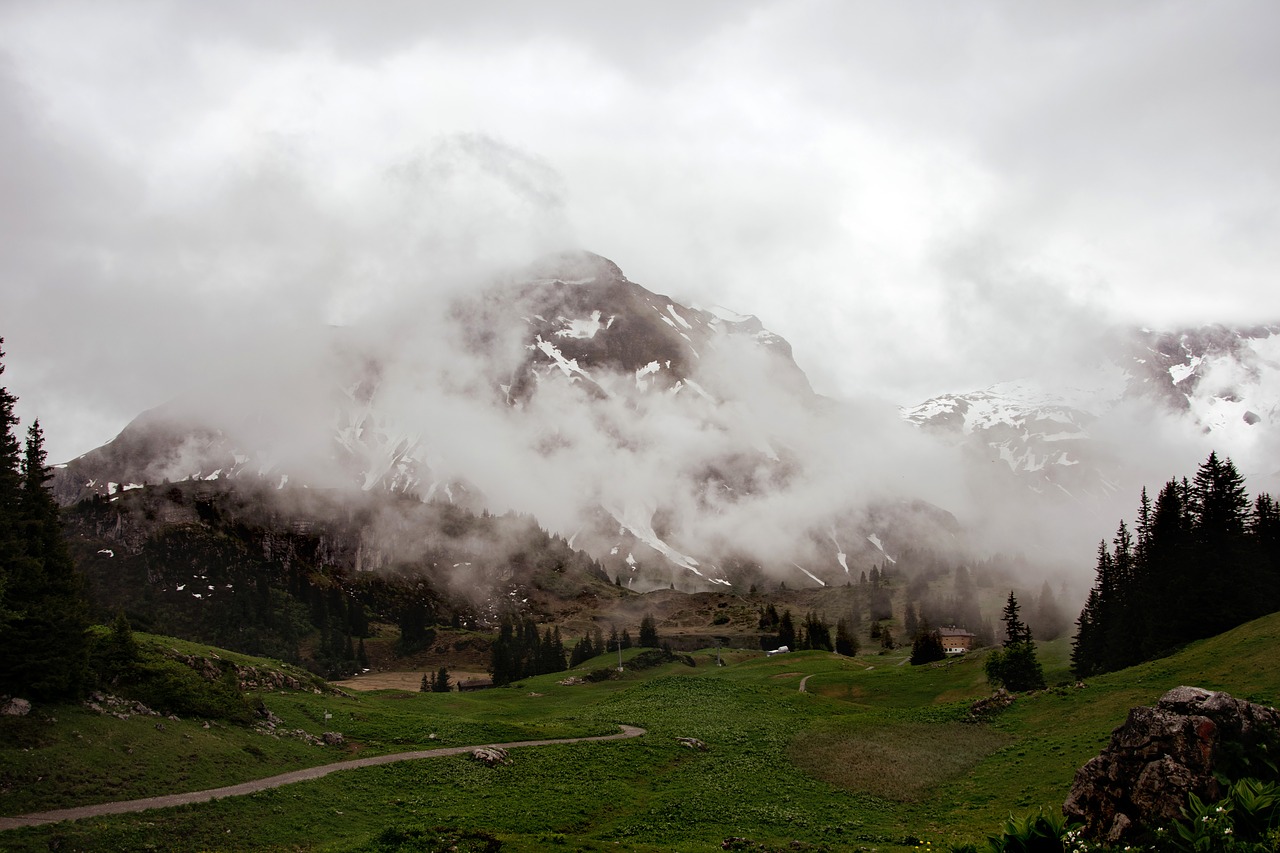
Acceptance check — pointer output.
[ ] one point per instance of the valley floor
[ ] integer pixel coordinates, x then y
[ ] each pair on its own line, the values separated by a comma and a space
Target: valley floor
872, 755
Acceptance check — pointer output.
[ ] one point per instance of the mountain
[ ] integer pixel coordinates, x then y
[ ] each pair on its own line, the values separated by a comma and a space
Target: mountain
677, 445
1060, 439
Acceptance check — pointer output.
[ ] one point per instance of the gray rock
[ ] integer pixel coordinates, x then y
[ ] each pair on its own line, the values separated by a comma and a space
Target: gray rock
490, 755
333, 739
692, 743
1160, 756
16, 708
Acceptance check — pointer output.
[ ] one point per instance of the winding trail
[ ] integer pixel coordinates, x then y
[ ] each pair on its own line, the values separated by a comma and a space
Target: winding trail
127, 806
803, 682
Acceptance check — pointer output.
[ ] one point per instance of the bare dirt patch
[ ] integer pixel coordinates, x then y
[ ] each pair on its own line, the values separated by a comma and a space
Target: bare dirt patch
411, 681
787, 675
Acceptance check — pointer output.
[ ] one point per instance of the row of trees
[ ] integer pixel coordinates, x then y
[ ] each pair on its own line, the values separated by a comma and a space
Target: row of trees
812, 633
43, 620
520, 651
1202, 558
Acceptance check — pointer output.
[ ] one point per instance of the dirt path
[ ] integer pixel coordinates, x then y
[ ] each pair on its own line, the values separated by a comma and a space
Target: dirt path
126, 806
803, 682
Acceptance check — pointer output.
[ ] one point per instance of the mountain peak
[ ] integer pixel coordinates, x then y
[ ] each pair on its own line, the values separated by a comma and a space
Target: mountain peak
574, 266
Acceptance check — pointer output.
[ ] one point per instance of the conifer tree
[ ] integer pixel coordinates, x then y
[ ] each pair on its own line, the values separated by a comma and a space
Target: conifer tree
846, 639
927, 646
786, 631
1015, 666
44, 637
648, 632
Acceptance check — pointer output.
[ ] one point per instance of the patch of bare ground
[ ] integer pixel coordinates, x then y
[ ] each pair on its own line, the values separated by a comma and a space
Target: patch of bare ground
403, 680
898, 762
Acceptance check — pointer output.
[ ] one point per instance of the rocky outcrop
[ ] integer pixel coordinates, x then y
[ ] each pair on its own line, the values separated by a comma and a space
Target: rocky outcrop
1162, 754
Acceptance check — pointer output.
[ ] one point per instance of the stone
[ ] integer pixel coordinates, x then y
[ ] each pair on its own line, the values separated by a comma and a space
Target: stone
333, 738
692, 743
1161, 755
490, 756
16, 707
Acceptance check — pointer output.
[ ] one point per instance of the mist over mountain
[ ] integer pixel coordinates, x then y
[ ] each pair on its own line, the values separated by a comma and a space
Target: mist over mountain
682, 445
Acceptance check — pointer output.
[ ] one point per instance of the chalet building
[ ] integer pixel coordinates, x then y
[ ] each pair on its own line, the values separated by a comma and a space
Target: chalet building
955, 641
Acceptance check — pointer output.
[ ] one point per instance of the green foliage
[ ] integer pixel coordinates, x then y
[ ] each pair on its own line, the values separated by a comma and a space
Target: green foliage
172, 687
398, 839
927, 648
1032, 833
1241, 822
1015, 668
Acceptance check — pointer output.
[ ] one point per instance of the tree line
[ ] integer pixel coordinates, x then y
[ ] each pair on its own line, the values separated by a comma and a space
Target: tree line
43, 622
1200, 559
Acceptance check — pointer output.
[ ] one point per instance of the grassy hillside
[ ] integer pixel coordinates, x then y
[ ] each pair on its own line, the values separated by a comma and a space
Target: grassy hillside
874, 754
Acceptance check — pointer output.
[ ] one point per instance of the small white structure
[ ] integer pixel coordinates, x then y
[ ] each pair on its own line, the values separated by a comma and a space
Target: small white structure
780, 650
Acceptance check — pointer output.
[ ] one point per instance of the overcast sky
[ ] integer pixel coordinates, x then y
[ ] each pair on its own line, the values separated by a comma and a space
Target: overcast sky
921, 196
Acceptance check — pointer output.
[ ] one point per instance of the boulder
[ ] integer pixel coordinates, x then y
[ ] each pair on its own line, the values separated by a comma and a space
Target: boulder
1161, 755
16, 708
333, 739
490, 755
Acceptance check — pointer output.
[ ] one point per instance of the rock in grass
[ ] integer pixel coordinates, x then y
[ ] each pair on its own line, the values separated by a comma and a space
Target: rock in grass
1160, 755
692, 743
491, 756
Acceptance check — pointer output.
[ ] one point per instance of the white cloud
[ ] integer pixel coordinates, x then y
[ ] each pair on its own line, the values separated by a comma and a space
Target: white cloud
920, 197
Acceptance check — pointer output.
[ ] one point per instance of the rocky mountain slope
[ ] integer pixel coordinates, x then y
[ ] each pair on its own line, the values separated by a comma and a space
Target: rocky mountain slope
665, 440
1060, 439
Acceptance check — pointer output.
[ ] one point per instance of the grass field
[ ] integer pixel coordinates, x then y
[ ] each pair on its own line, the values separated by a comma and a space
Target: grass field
873, 755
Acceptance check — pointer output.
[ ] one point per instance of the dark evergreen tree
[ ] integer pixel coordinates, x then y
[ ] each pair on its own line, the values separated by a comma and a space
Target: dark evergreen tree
583, 650
626, 639
440, 684
1015, 666
648, 632
815, 633
1015, 630
927, 647
44, 635
1199, 566
846, 639
786, 631
911, 621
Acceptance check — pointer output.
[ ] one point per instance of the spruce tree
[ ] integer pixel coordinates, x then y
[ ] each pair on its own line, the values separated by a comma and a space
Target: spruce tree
1015, 630
846, 639
648, 632
786, 631
927, 647
45, 639
1015, 666
10, 495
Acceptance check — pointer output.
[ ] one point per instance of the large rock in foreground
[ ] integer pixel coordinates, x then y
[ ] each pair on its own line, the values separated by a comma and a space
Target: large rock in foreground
1162, 754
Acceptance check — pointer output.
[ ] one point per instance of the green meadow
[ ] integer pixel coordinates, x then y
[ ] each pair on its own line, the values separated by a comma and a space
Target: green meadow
874, 754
